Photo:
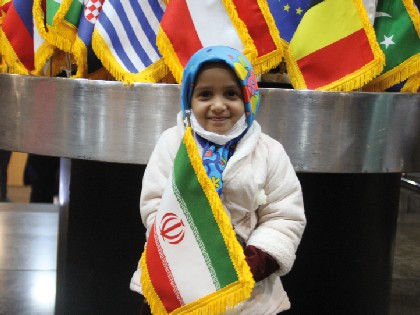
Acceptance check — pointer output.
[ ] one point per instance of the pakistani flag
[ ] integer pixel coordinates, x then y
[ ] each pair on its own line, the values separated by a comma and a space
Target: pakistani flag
192, 263
397, 28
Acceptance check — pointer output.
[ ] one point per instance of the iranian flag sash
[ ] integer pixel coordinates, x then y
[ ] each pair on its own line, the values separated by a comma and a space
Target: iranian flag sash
193, 263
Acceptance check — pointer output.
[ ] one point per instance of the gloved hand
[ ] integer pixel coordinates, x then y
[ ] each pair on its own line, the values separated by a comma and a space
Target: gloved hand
262, 264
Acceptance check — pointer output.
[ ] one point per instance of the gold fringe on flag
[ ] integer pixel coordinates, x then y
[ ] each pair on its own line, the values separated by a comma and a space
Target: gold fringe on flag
152, 73
61, 33
79, 52
412, 85
271, 60
10, 57
46, 51
250, 51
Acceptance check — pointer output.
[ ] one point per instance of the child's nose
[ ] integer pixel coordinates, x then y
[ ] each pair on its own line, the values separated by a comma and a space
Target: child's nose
218, 104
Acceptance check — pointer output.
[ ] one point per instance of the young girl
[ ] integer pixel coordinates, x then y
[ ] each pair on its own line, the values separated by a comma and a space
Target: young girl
251, 171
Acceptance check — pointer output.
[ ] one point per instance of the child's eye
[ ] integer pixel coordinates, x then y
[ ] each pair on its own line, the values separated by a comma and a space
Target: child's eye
232, 93
204, 94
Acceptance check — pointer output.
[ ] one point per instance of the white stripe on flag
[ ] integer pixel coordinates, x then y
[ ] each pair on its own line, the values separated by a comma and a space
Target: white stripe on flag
212, 24
141, 36
122, 35
106, 38
185, 259
38, 40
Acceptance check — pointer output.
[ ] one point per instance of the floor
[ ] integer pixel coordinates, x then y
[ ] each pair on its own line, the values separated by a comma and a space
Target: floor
27, 286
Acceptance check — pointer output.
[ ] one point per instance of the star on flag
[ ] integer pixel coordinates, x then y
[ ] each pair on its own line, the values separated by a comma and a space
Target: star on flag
387, 41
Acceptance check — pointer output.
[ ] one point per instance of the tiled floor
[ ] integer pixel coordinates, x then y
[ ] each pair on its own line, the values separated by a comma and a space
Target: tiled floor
28, 236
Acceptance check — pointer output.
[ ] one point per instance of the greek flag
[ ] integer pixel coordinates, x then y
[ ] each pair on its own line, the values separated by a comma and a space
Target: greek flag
124, 39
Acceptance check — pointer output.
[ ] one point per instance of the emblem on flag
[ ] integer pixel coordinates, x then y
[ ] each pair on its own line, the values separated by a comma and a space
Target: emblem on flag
172, 228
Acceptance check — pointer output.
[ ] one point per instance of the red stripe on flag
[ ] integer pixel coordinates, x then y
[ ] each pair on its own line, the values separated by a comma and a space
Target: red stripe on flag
159, 276
249, 12
179, 27
19, 37
337, 60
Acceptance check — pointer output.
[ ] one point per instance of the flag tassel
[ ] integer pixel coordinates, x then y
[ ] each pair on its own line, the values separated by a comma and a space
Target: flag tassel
396, 75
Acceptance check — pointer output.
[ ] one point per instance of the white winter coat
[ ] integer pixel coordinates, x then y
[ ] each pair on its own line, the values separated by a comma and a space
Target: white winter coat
262, 196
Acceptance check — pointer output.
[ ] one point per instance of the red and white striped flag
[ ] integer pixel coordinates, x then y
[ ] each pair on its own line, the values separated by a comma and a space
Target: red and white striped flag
247, 26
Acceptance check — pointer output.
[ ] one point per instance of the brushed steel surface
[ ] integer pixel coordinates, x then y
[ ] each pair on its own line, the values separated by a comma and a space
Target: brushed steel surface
332, 132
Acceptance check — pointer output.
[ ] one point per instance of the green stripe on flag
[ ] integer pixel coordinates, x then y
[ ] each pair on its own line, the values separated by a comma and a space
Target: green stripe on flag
52, 8
73, 14
202, 216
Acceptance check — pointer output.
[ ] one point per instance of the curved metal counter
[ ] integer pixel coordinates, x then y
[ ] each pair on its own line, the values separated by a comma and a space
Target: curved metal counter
329, 132
348, 149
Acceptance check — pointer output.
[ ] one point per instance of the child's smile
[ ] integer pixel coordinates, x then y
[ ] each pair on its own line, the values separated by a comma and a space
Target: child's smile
217, 100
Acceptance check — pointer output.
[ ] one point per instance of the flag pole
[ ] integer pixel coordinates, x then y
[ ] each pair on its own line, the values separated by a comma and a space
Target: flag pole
68, 63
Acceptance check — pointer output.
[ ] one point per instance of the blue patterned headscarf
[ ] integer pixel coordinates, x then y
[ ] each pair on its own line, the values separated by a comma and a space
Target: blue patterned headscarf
235, 60
214, 156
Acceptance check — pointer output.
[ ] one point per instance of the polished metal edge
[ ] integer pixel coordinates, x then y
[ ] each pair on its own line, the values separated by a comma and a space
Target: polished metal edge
331, 132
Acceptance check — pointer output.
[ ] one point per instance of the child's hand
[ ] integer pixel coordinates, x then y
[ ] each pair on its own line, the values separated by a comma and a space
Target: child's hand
262, 264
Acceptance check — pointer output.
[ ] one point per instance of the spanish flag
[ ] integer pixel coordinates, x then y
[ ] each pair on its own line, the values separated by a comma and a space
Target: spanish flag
334, 48
193, 263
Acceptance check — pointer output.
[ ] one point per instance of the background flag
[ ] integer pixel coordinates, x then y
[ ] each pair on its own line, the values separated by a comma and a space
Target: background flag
334, 48
397, 27
287, 16
52, 42
17, 37
124, 39
247, 26
193, 263
61, 21
82, 44
189, 25
261, 27
62, 17
4, 6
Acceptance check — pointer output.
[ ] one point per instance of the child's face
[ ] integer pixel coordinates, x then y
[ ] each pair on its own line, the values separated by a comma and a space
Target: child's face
217, 100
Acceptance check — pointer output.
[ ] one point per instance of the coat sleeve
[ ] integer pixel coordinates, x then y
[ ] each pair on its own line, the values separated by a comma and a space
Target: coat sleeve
281, 220
156, 175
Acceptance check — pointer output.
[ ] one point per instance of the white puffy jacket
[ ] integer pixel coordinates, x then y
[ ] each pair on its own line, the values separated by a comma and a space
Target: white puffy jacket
262, 196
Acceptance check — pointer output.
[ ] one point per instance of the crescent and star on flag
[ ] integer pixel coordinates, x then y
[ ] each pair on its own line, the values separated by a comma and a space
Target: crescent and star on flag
387, 39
